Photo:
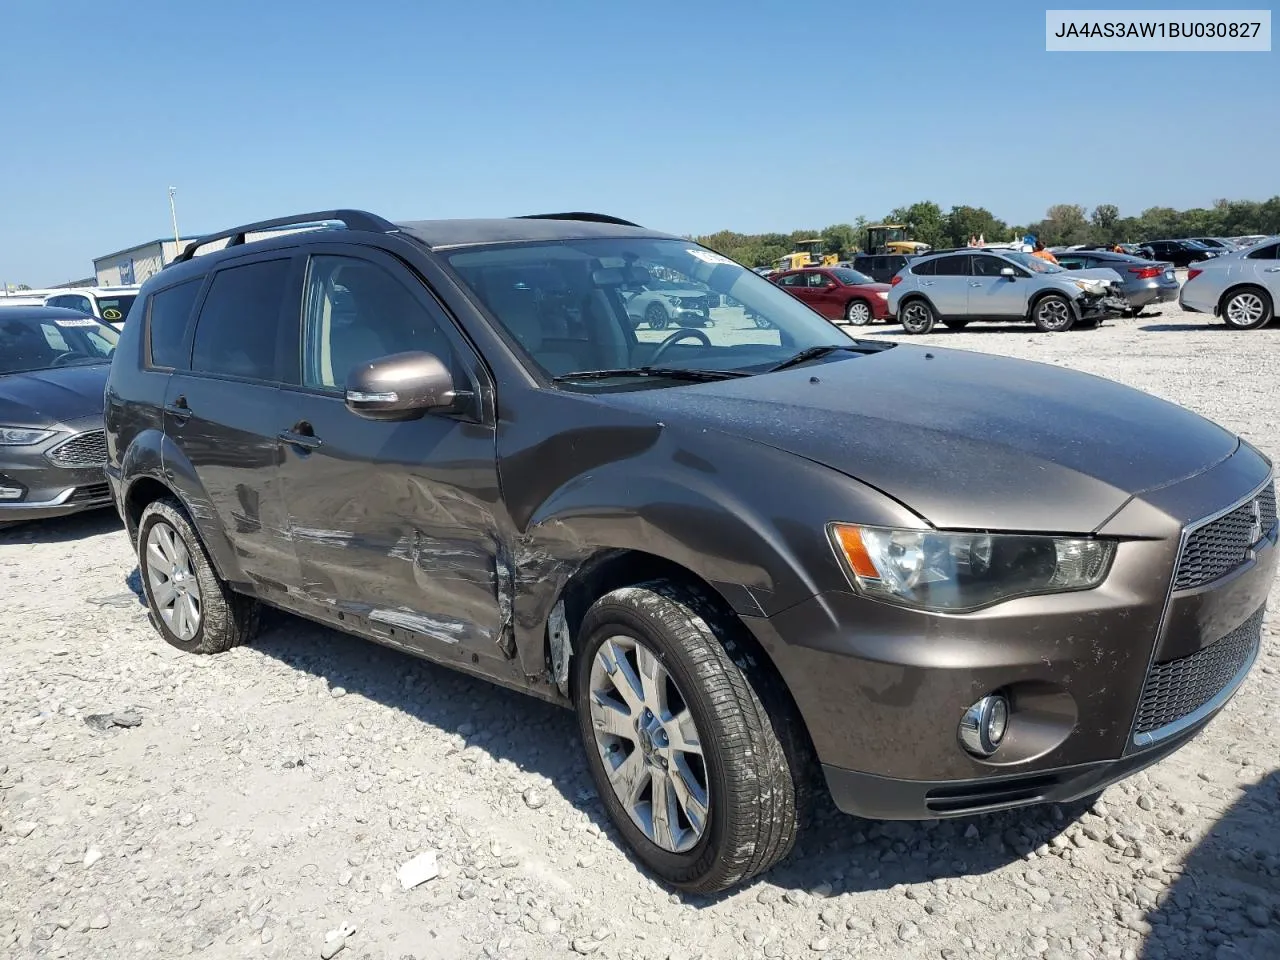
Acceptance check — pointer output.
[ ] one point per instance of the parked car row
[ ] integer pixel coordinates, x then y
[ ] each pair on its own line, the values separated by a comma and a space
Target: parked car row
109, 304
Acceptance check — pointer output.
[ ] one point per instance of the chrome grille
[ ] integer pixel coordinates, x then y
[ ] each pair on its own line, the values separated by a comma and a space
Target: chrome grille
1217, 548
1178, 687
83, 450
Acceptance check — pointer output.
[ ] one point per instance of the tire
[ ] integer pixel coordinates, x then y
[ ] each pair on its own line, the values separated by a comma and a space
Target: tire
224, 619
917, 317
858, 313
1251, 307
1053, 314
753, 800
656, 316
955, 324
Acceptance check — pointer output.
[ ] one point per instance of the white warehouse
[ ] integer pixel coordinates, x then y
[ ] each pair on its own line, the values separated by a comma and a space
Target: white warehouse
133, 265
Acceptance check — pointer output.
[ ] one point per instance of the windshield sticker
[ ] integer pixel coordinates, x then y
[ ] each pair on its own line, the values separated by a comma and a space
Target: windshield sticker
111, 313
706, 256
86, 322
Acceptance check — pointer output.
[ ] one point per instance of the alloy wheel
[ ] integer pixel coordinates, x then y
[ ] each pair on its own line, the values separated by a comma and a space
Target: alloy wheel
858, 313
1054, 314
1245, 309
175, 591
649, 744
916, 318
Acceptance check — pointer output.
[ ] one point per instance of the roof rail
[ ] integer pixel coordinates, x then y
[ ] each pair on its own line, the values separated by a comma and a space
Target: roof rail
351, 219
579, 215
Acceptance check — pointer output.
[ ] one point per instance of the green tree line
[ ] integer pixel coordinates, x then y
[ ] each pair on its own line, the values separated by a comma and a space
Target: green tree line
1063, 224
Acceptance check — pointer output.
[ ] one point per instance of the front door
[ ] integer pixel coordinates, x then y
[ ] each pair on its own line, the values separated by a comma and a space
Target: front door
222, 411
992, 295
397, 523
823, 294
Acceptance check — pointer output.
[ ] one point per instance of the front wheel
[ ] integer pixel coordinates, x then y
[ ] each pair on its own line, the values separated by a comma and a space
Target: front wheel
190, 605
683, 752
1053, 314
1247, 309
656, 316
858, 313
917, 317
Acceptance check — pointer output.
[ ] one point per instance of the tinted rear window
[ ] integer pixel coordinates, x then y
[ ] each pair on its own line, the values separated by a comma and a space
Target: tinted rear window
952, 266
167, 323
115, 309
239, 327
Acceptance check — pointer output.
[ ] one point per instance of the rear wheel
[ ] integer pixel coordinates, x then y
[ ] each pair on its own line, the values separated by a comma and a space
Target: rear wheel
1053, 314
656, 316
683, 752
917, 317
1247, 309
190, 605
858, 313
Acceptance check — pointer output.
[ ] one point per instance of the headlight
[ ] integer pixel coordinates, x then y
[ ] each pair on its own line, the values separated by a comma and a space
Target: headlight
953, 572
882, 294
22, 436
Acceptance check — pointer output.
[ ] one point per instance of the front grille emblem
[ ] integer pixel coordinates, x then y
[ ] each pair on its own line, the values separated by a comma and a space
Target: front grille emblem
1255, 532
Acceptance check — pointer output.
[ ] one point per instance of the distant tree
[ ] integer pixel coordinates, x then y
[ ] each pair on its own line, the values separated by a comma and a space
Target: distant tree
1104, 219
964, 222
924, 220
840, 239
1063, 224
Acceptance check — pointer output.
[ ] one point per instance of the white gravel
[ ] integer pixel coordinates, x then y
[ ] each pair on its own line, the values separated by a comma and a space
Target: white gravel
255, 813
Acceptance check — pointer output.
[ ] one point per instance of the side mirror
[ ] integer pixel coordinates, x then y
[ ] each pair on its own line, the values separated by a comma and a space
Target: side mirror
402, 386
1008, 272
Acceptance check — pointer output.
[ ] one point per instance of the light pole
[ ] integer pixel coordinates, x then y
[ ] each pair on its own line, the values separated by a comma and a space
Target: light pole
173, 212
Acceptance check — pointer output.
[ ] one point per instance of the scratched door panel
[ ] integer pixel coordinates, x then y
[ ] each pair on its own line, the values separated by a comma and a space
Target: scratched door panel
396, 522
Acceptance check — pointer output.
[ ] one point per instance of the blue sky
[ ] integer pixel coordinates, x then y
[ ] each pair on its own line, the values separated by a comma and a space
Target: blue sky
689, 117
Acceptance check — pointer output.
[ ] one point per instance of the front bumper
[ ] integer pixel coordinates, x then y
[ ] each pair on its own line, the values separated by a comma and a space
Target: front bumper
1099, 308
50, 489
1089, 675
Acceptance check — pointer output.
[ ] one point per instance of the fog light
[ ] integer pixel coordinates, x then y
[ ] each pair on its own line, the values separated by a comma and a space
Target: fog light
11, 493
984, 725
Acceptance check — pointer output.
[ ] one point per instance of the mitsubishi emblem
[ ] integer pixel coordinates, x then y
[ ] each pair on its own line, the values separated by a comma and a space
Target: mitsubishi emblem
1255, 532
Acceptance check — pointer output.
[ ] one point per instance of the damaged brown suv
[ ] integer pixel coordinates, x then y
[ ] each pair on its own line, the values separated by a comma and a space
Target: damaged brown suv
742, 552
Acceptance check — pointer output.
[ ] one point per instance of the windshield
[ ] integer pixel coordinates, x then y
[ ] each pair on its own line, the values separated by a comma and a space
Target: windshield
115, 309
1033, 263
38, 343
578, 306
845, 275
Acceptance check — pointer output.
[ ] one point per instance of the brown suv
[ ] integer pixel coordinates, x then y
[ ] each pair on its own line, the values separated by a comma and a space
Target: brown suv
742, 553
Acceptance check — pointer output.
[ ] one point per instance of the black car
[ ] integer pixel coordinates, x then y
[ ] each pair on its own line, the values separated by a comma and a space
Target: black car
880, 267
1181, 253
53, 370
742, 554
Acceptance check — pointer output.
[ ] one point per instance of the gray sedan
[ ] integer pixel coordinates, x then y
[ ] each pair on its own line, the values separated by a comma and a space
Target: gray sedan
1241, 287
53, 370
1144, 282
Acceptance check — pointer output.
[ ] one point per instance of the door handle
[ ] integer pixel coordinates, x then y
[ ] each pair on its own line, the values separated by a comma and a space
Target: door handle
179, 410
975, 283
926, 283
302, 435
1271, 270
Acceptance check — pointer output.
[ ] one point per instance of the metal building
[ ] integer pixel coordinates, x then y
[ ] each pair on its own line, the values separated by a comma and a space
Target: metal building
135, 264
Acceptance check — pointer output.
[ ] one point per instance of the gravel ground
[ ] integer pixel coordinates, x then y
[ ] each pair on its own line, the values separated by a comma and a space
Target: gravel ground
254, 802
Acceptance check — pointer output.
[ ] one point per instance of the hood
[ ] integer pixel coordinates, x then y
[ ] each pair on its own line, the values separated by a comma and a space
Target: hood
47, 398
873, 287
967, 440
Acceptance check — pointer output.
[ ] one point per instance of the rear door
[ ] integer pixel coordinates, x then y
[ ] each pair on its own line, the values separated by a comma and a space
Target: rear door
949, 286
795, 284
1264, 264
394, 522
993, 295
222, 409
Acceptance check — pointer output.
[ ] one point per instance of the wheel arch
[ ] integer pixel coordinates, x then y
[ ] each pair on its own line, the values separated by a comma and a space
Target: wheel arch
1051, 292
1244, 285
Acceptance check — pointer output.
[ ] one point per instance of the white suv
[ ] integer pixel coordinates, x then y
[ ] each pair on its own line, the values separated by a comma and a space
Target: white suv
109, 304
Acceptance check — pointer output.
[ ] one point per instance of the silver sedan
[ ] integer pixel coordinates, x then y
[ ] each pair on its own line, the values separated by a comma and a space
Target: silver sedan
1242, 287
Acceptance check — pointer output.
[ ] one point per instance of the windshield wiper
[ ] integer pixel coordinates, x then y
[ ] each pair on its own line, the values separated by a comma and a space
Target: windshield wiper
812, 353
673, 373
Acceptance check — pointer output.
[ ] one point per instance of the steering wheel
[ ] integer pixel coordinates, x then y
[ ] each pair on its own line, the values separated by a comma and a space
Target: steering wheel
62, 357
681, 334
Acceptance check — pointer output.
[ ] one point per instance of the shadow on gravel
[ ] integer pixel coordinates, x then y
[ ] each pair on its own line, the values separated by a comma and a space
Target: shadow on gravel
837, 853
1226, 903
62, 529
1181, 327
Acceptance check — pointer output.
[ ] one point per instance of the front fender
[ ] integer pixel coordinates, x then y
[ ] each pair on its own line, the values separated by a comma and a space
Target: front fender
746, 518
152, 456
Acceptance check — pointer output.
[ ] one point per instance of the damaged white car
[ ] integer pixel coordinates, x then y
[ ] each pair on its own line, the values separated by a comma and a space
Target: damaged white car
958, 288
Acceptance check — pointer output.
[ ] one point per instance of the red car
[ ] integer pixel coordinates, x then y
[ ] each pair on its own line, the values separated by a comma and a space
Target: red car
838, 293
